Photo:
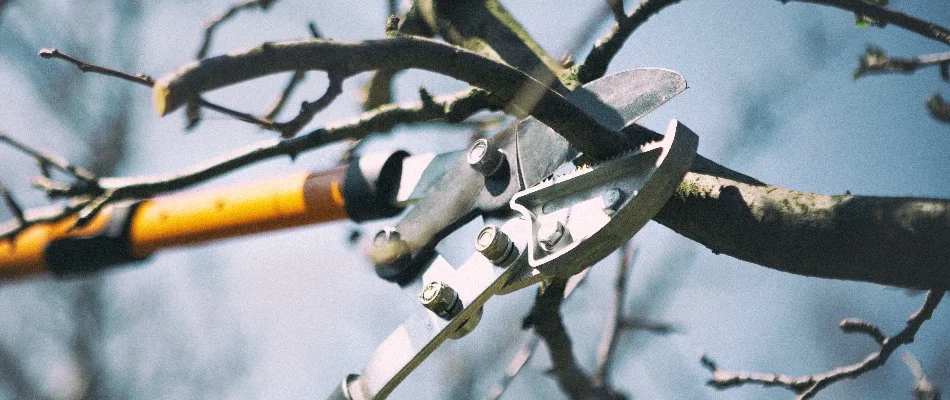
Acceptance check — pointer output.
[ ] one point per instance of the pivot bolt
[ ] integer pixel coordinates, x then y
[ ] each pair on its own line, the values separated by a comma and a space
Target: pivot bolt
390, 254
484, 157
494, 244
612, 199
550, 234
441, 299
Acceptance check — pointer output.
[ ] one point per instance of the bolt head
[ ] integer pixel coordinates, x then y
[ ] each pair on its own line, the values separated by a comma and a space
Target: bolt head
612, 199
484, 157
440, 299
494, 244
390, 254
550, 234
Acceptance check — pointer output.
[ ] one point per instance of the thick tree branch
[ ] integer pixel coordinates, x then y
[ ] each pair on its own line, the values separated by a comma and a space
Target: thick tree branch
884, 15
896, 241
487, 28
521, 93
807, 386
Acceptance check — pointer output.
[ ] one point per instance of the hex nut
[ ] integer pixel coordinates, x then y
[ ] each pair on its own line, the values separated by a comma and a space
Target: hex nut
484, 157
441, 299
550, 233
494, 244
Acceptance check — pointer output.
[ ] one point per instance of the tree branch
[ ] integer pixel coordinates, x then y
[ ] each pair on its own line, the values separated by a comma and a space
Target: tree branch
875, 62
451, 108
521, 93
807, 386
608, 343
923, 388
599, 58
545, 318
884, 15
146, 80
211, 24
897, 241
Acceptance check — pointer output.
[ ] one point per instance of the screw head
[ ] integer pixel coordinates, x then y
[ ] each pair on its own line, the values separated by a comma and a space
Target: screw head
612, 199
440, 299
550, 234
494, 244
484, 157
390, 254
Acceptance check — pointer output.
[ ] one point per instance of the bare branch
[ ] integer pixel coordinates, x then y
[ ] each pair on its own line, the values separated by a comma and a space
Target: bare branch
12, 204
896, 241
453, 107
528, 348
616, 7
613, 330
884, 15
518, 90
923, 389
214, 22
146, 80
309, 109
545, 318
278, 104
49, 159
596, 63
83, 66
852, 325
875, 61
807, 386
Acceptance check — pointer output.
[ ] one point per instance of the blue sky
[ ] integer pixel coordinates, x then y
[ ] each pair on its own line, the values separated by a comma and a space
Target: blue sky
290, 313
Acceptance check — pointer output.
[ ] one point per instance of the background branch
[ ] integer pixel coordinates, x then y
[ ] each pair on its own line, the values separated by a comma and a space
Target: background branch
807, 386
884, 15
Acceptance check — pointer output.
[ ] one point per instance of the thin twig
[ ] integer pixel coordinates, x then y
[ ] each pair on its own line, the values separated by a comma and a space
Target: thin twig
309, 109
50, 159
84, 66
613, 330
12, 204
884, 15
454, 107
616, 7
875, 61
596, 63
278, 104
146, 80
808, 386
545, 318
939, 108
526, 351
923, 388
214, 22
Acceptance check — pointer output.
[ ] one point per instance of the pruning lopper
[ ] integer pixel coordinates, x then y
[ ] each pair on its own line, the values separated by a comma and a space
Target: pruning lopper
556, 212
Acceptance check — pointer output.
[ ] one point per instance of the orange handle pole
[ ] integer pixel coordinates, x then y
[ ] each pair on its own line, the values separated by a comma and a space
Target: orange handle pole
24, 255
187, 218
283, 202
